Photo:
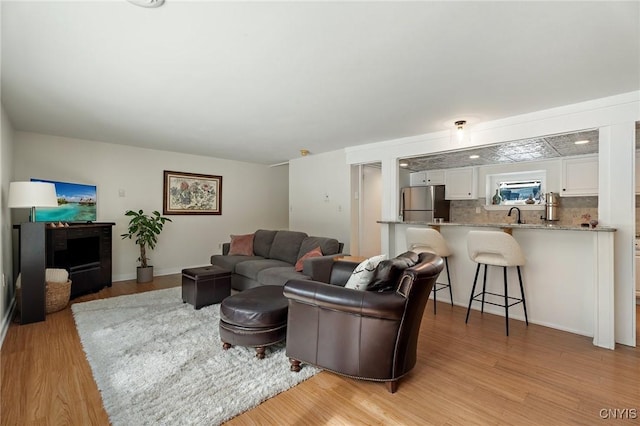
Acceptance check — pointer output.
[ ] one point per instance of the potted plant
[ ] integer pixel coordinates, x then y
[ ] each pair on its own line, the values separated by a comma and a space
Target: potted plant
145, 228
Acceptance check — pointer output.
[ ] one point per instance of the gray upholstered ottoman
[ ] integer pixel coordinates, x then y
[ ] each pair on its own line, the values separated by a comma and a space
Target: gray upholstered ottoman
256, 317
205, 285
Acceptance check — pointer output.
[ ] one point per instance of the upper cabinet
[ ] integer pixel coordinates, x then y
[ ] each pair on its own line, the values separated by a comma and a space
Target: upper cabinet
435, 177
418, 179
461, 184
579, 176
431, 177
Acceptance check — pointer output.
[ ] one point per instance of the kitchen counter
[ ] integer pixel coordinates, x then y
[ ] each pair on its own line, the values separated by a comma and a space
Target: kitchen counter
546, 226
568, 277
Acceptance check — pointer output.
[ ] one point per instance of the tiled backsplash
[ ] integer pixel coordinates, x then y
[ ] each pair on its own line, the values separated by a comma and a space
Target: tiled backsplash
571, 211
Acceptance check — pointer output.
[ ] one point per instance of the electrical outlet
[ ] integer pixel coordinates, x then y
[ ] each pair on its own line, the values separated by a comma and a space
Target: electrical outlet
478, 209
220, 245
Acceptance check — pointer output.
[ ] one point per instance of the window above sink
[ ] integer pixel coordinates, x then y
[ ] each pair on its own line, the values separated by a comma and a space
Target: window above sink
516, 189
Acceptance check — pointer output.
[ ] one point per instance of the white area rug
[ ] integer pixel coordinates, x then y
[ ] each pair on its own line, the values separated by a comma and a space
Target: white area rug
159, 361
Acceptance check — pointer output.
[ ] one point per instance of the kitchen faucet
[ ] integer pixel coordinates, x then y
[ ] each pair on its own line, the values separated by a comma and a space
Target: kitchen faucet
518, 210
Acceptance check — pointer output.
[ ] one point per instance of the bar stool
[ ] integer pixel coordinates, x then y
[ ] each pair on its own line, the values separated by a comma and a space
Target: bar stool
431, 241
495, 248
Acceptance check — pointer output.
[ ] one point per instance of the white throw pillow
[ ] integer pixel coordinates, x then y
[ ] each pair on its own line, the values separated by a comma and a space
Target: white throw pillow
363, 274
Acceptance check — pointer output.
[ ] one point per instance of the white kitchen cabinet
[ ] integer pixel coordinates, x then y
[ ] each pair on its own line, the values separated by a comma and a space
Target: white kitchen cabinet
435, 177
579, 176
418, 179
461, 184
430, 177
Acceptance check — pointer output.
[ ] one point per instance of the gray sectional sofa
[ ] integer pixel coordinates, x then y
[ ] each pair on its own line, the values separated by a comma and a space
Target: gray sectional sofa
275, 255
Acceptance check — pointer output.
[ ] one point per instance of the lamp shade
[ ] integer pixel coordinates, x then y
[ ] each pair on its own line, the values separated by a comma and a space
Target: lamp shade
32, 194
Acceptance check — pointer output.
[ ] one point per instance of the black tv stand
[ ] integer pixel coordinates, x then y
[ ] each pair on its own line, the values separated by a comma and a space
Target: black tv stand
83, 249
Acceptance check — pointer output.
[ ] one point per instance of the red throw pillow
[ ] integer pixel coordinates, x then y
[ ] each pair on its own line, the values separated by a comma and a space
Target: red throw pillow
316, 252
241, 245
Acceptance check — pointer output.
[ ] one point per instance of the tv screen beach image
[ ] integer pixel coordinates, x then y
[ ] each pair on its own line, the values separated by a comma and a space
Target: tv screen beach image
76, 203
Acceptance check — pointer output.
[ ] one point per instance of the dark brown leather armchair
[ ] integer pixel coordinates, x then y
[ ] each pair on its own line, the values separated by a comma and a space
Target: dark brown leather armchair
361, 334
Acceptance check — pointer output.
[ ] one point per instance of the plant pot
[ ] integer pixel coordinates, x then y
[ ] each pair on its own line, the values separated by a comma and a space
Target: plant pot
144, 275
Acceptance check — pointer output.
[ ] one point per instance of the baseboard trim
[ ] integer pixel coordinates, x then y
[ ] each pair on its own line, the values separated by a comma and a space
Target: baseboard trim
6, 321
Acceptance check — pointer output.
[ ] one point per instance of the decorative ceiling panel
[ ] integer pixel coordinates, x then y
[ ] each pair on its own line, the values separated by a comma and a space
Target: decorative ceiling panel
533, 149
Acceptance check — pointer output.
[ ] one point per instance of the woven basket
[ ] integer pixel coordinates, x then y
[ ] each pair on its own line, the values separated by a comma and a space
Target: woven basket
57, 295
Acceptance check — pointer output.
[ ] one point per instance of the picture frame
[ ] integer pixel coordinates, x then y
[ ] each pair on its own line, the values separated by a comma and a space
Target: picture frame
191, 193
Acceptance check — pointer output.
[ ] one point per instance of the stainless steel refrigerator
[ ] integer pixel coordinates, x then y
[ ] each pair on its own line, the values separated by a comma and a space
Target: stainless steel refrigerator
423, 203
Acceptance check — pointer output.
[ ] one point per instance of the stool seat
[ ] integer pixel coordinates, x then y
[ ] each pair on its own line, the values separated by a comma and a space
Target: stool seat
428, 240
495, 248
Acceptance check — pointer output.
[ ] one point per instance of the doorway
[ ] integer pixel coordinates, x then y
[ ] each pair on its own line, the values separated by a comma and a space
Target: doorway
370, 210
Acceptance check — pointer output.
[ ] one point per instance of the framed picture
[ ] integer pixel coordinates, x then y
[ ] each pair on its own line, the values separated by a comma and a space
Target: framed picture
191, 193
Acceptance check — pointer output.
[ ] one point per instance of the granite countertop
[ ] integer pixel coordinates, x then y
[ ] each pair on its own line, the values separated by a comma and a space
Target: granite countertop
547, 226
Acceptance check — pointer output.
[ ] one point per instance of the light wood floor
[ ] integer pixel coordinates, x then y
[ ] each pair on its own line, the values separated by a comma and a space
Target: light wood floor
466, 374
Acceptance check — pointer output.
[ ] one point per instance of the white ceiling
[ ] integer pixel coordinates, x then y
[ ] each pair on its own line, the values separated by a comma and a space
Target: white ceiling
258, 81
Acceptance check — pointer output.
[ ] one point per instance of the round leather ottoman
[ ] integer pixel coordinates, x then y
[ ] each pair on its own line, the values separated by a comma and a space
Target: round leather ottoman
256, 317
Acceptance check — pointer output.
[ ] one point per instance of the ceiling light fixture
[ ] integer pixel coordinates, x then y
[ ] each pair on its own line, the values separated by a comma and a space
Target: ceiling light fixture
147, 3
460, 129
474, 156
304, 152
582, 142
404, 164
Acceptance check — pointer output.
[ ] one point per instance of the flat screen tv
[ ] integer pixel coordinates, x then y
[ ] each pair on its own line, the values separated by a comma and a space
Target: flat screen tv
76, 203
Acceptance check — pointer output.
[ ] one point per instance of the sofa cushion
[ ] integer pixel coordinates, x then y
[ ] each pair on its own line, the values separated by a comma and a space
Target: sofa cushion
262, 241
230, 262
327, 245
241, 245
251, 268
280, 275
388, 272
316, 252
286, 246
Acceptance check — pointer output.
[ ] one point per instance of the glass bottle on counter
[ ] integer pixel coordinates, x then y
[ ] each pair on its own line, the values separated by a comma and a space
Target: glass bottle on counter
497, 199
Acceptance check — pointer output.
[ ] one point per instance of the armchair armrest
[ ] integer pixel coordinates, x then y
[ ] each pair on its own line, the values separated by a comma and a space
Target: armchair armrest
390, 306
319, 268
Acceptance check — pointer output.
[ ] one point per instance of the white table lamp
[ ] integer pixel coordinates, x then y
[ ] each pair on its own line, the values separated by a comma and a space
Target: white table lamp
31, 195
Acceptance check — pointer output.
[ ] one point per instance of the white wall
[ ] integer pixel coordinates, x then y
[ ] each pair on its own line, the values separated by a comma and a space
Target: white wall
319, 196
253, 196
6, 232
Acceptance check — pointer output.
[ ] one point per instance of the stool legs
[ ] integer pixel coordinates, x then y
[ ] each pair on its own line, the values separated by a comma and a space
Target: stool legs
524, 303
484, 288
506, 304
446, 263
473, 290
506, 300
435, 289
